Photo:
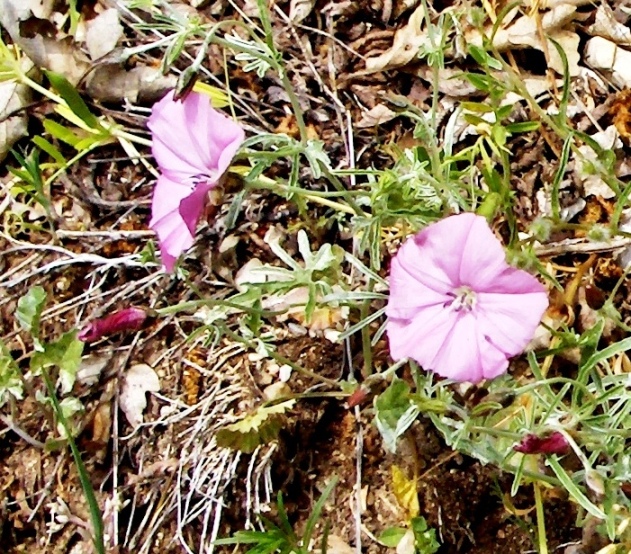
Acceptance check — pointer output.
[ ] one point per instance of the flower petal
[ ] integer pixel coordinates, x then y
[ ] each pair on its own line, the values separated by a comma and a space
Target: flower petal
191, 138
509, 320
420, 260
465, 355
407, 294
175, 230
483, 257
420, 336
429, 319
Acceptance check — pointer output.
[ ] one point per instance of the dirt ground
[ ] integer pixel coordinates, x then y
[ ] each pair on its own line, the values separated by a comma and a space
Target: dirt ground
167, 482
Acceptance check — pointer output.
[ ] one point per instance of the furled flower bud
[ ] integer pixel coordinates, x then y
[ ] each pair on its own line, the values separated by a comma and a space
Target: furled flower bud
129, 319
555, 443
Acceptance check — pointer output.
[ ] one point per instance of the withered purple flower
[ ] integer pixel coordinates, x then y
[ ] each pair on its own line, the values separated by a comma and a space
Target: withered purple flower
129, 319
554, 443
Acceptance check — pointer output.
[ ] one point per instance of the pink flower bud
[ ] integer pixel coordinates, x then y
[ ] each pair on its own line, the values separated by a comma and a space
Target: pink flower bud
555, 443
129, 319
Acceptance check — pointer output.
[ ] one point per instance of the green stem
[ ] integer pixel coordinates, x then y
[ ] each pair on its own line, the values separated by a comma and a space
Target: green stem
86, 485
266, 183
282, 360
541, 521
192, 304
333, 179
365, 332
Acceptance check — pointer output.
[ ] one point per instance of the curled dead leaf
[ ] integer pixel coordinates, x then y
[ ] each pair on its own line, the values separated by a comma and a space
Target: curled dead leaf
13, 120
604, 55
405, 47
28, 23
103, 33
137, 382
376, 116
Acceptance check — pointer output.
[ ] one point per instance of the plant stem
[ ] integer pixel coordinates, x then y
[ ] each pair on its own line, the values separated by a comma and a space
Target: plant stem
365, 332
88, 490
541, 522
269, 184
283, 360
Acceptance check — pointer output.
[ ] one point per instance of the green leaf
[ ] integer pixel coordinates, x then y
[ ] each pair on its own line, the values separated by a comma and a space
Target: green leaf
392, 536
424, 537
483, 58
523, 127
476, 107
84, 478
65, 354
317, 511
10, 376
574, 491
395, 412
255, 429
490, 206
50, 149
61, 133
474, 119
72, 98
481, 82
29, 310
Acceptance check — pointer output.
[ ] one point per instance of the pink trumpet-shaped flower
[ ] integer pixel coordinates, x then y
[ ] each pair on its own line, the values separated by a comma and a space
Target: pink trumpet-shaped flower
129, 319
554, 443
193, 145
456, 306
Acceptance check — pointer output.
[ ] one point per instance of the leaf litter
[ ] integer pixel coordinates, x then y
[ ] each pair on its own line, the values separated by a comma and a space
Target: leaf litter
182, 487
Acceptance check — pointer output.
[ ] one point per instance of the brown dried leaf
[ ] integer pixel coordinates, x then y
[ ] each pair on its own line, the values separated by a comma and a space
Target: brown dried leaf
300, 9
13, 121
604, 55
103, 34
606, 26
137, 382
405, 47
376, 116
50, 49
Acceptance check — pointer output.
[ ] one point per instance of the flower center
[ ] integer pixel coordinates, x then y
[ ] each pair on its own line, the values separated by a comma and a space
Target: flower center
464, 299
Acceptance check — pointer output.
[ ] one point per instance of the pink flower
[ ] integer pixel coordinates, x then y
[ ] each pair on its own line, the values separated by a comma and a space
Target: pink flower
193, 145
456, 306
555, 443
129, 319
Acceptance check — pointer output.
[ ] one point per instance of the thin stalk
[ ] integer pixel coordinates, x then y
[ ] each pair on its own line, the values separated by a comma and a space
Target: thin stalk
365, 332
88, 490
541, 522
333, 179
192, 304
295, 103
282, 360
268, 184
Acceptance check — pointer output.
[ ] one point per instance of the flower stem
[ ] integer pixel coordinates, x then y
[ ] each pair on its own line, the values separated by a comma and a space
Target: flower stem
263, 182
365, 333
282, 359
541, 522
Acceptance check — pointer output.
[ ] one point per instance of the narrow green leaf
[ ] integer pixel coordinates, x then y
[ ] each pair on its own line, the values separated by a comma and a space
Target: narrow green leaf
481, 82
317, 510
476, 107
573, 489
50, 149
394, 412
84, 478
73, 99
523, 127
61, 133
